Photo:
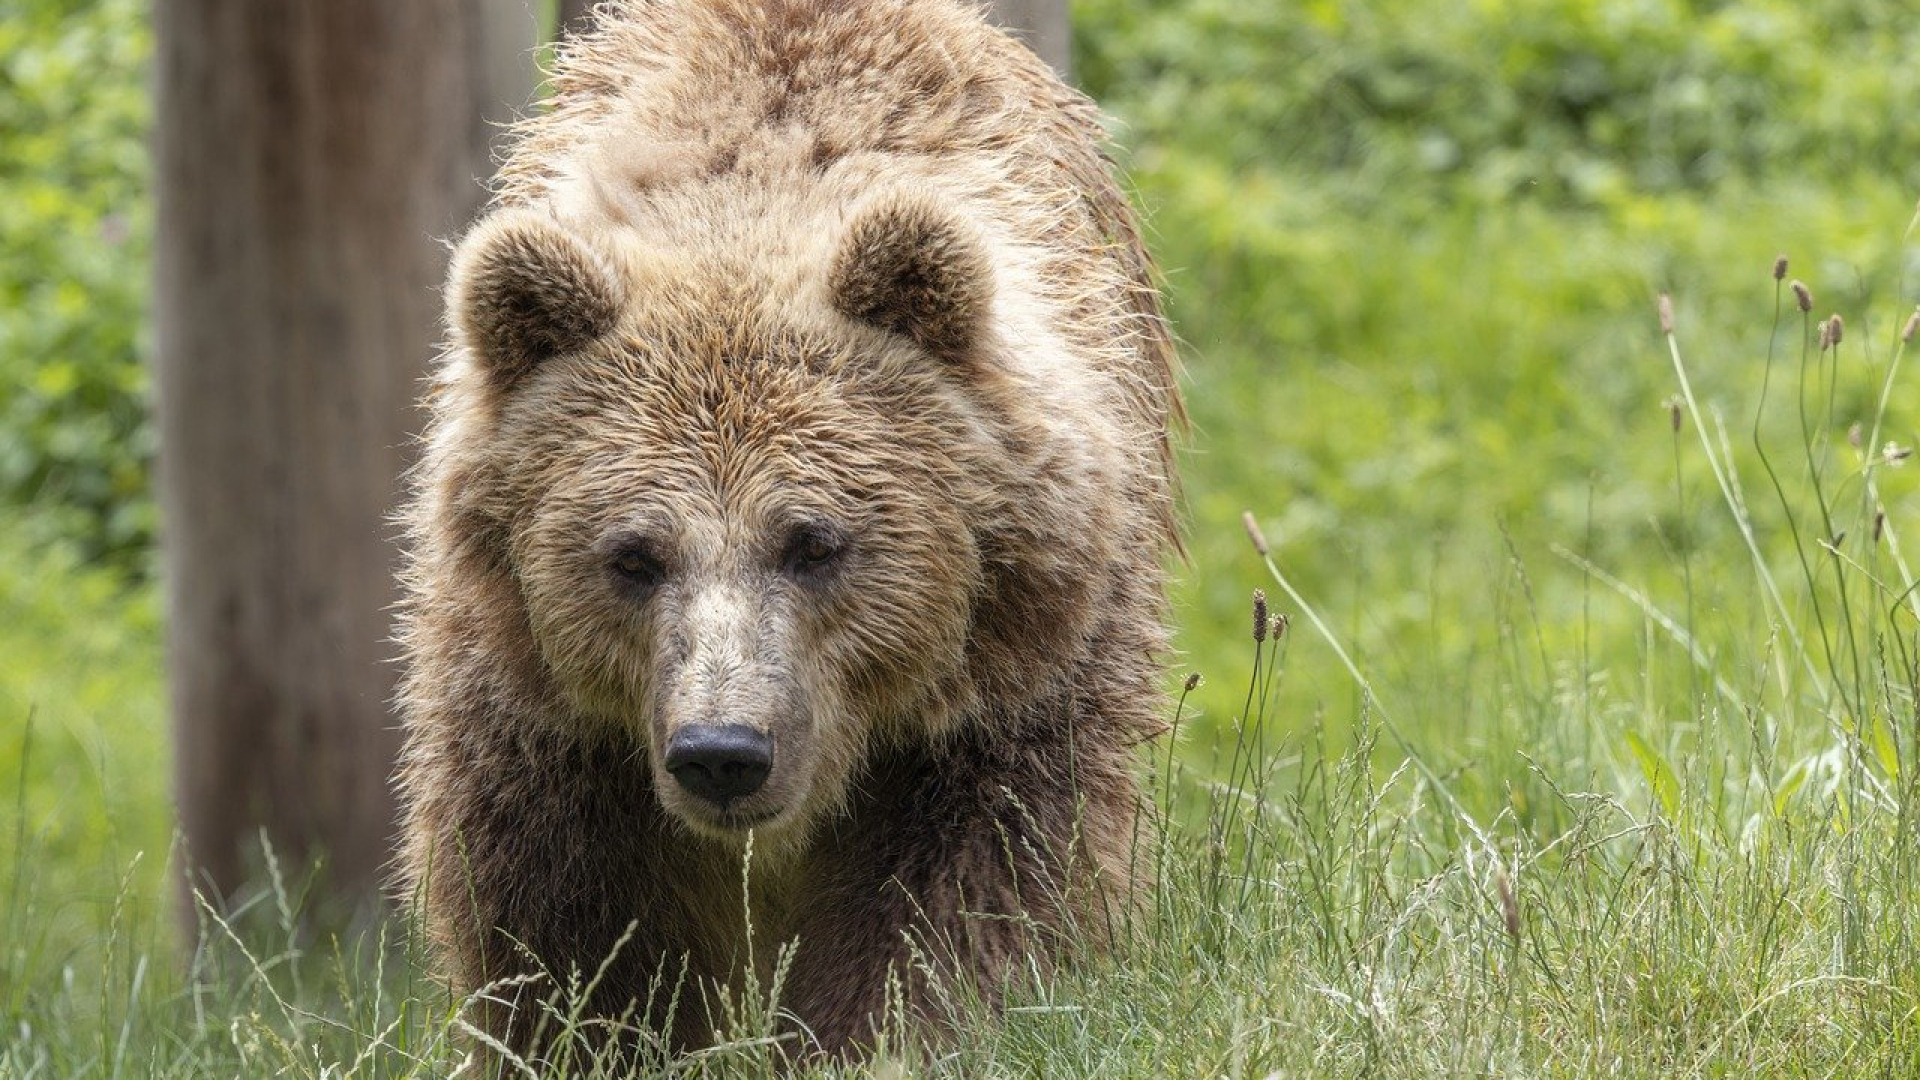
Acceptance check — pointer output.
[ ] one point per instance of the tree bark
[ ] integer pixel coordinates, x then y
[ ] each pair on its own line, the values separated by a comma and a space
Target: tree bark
1044, 25
312, 157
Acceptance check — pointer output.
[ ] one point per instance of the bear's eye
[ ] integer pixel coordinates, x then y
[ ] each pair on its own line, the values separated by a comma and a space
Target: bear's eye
639, 565
812, 550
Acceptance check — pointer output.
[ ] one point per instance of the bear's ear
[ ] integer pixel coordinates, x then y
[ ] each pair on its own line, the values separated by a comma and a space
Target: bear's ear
910, 269
523, 290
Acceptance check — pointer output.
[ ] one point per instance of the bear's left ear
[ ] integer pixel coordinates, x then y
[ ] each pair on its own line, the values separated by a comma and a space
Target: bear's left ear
910, 269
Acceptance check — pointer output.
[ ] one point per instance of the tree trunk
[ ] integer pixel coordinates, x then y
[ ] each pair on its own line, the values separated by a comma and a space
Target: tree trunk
311, 159
1044, 25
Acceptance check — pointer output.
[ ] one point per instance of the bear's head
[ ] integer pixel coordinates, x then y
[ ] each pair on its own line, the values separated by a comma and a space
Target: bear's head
766, 521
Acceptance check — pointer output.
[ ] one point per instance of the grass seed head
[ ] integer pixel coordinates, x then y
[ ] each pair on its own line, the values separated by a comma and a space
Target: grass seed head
1509, 904
1836, 329
1253, 532
1912, 327
1826, 331
1802, 296
1259, 615
1879, 524
1192, 683
1666, 314
1779, 268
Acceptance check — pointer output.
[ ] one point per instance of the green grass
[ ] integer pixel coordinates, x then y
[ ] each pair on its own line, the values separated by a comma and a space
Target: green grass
1390, 390
82, 750
1607, 789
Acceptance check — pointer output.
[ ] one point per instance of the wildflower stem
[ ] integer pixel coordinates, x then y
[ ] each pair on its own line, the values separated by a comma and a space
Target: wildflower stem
1871, 450
1740, 517
1366, 687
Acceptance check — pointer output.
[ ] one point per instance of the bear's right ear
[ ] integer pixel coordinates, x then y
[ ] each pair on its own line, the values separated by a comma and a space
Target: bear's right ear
523, 290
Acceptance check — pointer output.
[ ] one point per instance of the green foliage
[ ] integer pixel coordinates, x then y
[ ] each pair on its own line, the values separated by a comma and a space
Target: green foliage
1581, 100
75, 224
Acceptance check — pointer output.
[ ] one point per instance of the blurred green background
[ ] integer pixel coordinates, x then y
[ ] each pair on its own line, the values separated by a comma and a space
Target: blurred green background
1412, 250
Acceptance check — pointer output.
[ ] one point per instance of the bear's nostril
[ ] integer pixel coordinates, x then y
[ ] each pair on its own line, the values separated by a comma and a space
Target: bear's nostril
720, 762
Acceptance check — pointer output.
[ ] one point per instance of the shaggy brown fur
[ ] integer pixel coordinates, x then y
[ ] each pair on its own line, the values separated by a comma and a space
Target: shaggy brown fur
808, 375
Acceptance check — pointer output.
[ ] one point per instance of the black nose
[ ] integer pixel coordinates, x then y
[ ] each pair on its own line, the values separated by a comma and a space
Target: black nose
720, 762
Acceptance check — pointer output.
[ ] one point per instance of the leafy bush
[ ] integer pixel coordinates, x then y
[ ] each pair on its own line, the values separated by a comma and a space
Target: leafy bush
1576, 100
75, 224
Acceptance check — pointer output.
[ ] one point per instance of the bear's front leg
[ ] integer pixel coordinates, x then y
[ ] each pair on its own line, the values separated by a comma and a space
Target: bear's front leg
551, 866
940, 884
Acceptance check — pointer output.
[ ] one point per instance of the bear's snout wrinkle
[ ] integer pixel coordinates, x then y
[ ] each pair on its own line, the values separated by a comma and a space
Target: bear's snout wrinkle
720, 763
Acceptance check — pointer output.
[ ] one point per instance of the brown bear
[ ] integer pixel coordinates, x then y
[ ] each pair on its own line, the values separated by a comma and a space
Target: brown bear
797, 481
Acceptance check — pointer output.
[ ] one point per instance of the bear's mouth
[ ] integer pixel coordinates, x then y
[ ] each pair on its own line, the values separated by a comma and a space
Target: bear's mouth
732, 822
746, 819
